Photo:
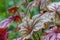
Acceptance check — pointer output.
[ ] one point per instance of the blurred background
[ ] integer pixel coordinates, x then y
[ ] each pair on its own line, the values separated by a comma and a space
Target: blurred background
6, 4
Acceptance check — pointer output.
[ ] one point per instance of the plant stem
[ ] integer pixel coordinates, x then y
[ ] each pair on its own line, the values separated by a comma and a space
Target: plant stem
38, 36
39, 6
34, 36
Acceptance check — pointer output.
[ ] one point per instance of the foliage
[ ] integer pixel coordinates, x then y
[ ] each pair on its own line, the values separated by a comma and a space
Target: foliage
6, 4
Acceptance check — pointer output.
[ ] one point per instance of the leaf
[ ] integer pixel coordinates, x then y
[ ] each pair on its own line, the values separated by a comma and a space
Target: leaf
12, 10
6, 23
17, 18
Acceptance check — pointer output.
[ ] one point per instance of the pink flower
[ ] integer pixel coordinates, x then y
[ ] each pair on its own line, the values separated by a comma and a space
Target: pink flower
6, 23
3, 27
32, 4
3, 34
52, 34
54, 7
44, 3
22, 15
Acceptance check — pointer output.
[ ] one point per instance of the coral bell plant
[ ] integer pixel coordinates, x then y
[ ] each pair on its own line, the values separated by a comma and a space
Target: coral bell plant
30, 20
